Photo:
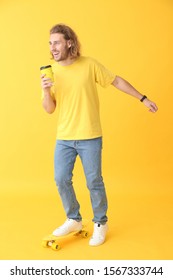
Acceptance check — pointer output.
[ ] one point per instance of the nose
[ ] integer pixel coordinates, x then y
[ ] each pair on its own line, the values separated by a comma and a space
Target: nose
52, 47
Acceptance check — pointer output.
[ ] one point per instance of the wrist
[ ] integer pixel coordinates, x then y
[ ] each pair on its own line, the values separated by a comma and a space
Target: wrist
143, 98
46, 91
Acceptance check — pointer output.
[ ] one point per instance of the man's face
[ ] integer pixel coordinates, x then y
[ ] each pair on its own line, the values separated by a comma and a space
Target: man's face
59, 47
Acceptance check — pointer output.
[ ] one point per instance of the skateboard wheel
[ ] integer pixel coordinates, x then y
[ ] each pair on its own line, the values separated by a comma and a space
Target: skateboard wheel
85, 234
55, 247
45, 243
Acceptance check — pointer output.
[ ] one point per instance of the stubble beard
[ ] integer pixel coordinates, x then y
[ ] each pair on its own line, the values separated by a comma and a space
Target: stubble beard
63, 56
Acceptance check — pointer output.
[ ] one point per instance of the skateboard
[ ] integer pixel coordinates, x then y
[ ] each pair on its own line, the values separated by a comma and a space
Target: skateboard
52, 241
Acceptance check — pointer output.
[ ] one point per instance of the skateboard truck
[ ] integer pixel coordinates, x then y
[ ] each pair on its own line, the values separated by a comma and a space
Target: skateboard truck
52, 241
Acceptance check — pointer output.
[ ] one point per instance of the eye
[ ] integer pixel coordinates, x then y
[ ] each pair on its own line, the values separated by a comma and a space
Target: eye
57, 43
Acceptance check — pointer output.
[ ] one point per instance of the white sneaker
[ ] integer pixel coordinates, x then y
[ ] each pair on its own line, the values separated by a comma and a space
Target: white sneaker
70, 225
99, 234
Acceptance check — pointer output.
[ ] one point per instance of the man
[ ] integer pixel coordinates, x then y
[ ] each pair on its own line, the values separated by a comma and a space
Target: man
74, 94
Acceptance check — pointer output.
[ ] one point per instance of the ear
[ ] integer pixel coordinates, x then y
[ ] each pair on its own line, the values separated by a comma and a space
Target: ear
69, 44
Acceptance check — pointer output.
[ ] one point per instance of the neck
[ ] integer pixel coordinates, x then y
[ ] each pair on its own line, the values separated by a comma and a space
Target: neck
67, 61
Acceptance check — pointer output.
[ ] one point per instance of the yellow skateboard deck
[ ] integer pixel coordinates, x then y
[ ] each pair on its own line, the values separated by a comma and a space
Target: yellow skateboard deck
52, 241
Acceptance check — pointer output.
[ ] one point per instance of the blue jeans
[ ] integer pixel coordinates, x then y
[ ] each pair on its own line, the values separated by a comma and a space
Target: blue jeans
89, 152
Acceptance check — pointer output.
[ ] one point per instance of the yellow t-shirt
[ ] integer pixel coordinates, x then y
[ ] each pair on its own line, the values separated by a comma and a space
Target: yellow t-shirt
77, 102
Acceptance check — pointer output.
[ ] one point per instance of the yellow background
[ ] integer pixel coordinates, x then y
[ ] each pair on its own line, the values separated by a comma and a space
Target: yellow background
134, 40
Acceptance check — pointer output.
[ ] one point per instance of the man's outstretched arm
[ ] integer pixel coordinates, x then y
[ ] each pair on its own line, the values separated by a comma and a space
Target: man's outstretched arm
126, 87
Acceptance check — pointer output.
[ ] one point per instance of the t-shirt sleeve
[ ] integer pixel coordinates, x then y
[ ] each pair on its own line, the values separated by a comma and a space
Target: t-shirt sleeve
103, 76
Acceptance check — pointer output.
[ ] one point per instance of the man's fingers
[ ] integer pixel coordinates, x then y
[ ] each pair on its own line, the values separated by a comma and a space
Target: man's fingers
153, 108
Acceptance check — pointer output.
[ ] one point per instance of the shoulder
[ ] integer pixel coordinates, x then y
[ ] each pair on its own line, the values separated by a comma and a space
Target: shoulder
88, 59
91, 62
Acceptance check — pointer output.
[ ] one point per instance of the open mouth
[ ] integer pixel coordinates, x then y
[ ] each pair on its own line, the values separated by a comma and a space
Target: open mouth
55, 54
